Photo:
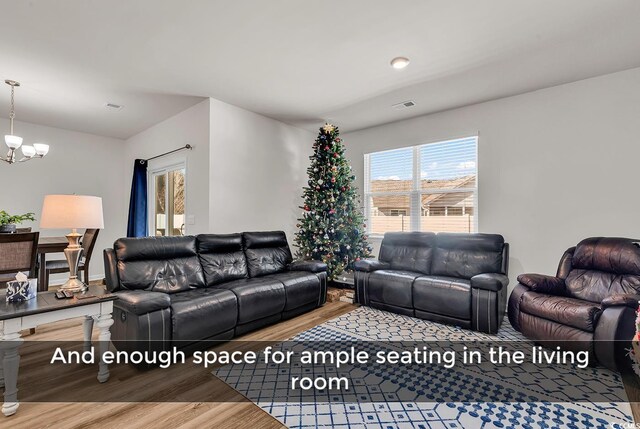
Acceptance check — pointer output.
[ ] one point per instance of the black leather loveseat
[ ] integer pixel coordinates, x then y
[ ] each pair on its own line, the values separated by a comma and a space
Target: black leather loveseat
182, 291
460, 279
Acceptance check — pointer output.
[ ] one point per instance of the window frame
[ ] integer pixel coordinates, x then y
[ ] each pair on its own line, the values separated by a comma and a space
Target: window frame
416, 193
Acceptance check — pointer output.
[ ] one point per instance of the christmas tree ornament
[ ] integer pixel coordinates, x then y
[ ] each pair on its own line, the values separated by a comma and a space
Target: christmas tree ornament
328, 128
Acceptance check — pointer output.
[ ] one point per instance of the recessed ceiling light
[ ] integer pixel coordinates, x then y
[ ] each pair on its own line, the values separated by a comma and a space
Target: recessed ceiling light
399, 62
113, 106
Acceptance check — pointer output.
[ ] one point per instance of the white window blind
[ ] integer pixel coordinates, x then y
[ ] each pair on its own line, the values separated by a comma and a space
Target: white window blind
430, 187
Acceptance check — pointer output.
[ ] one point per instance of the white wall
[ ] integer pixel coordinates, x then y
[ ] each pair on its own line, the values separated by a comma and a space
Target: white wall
555, 165
77, 163
188, 127
257, 171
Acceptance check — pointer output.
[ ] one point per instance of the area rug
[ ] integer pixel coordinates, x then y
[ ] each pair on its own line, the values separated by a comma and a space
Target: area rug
390, 409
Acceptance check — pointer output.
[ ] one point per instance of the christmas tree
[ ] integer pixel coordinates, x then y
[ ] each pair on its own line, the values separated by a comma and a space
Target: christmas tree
332, 227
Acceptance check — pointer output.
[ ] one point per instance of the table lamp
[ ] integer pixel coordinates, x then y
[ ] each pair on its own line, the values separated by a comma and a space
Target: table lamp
72, 212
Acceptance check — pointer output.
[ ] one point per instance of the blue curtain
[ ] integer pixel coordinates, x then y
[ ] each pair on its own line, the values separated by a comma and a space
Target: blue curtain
137, 226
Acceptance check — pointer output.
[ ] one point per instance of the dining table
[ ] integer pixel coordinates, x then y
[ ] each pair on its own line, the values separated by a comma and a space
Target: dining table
48, 245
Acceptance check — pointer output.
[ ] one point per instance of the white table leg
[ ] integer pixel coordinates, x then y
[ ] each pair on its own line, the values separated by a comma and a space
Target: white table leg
87, 327
104, 321
9, 344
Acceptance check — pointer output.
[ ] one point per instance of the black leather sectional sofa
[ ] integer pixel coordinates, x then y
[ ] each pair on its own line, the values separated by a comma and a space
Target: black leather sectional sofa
460, 279
183, 291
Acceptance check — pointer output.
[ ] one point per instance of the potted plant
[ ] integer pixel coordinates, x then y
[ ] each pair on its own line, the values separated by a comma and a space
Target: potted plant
8, 222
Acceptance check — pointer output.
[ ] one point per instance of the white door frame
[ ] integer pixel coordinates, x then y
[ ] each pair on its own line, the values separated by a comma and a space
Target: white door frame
151, 187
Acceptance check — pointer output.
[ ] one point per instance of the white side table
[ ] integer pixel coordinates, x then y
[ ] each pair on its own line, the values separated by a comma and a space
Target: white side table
47, 309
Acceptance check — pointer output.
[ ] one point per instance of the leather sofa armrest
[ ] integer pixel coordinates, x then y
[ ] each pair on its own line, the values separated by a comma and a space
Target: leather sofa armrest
621, 300
490, 281
111, 270
312, 266
543, 284
368, 265
141, 301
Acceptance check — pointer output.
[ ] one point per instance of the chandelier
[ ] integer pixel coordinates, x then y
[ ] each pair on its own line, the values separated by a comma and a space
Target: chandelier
38, 150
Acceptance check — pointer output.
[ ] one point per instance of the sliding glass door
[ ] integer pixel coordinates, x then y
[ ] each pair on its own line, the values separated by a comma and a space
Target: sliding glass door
167, 201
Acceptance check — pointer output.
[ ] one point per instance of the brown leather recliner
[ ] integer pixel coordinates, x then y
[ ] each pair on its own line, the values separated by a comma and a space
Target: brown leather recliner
589, 305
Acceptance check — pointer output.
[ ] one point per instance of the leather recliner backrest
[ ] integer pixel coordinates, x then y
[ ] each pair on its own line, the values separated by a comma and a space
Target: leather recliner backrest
221, 257
466, 255
266, 252
603, 266
411, 251
160, 264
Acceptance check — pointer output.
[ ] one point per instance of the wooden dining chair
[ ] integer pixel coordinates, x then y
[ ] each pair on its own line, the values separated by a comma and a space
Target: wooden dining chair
18, 252
57, 266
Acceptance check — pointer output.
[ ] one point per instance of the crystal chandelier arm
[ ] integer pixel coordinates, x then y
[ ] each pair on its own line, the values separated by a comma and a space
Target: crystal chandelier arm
10, 159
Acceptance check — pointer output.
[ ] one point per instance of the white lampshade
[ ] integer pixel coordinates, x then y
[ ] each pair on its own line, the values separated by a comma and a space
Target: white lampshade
41, 148
28, 151
13, 142
71, 211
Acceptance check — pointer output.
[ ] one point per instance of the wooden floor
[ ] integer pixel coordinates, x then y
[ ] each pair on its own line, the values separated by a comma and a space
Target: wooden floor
238, 412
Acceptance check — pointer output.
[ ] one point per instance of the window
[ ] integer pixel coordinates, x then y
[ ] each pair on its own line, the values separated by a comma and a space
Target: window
167, 201
430, 187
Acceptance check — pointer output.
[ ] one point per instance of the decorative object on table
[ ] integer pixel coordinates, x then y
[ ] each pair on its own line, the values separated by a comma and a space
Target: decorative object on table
38, 150
57, 266
8, 222
21, 289
332, 227
72, 212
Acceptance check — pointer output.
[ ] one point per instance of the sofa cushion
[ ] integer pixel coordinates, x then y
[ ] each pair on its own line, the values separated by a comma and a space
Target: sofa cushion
198, 314
221, 257
160, 264
266, 252
603, 266
408, 251
300, 288
392, 287
448, 296
564, 310
595, 286
257, 297
608, 254
466, 255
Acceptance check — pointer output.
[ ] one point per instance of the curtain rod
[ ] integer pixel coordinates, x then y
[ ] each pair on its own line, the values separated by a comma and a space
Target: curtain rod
187, 146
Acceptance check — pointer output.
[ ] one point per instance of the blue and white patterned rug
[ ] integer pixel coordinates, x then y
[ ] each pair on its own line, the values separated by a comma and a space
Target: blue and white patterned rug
367, 324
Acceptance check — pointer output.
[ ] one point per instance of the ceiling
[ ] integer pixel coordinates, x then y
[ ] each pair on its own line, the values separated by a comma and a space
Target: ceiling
302, 62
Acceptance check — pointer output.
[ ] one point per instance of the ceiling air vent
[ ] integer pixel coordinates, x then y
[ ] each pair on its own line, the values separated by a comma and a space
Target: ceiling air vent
113, 106
404, 105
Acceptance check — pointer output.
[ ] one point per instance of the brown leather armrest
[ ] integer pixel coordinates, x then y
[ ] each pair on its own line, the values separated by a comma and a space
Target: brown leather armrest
621, 300
543, 284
